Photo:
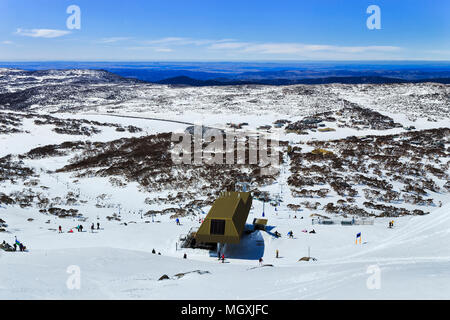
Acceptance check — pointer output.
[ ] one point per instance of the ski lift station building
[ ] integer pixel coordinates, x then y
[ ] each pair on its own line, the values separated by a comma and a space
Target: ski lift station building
226, 219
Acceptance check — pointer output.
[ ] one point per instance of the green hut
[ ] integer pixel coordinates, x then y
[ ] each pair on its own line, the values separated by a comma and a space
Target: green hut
225, 221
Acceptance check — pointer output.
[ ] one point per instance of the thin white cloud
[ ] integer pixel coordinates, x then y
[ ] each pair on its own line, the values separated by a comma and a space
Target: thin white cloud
163, 49
297, 48
279, 49
228, 45
114, 39
42, 33
181, 41
174, 41
6, 42
168, 40
443, 52
150, 48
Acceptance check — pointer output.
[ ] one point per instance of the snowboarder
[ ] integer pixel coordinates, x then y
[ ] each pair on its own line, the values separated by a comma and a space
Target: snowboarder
60, 229
276, 253
177, 221
223, 258
81, 228
291, 234
312, 231
185, 256
98, 225
92, 227
153, 251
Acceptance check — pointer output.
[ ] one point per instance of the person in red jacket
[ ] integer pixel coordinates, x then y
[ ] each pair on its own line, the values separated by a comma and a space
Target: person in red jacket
223, 258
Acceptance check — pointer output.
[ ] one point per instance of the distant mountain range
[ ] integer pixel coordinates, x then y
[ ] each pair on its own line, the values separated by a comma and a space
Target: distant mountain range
187, 81
72, 90
268, 73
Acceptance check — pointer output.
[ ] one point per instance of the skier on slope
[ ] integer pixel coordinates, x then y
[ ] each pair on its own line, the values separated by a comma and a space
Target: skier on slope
92, 227
223, 258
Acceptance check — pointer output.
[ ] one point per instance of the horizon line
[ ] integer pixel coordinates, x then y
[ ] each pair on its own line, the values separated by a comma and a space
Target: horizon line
225, 61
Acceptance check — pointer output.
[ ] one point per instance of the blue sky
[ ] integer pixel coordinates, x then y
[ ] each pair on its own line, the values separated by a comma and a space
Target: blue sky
195, 30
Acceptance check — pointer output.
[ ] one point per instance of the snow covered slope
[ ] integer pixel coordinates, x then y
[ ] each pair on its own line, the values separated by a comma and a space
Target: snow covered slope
413, 264
102, 156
